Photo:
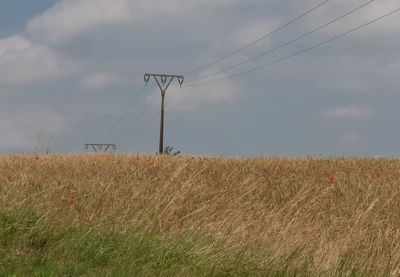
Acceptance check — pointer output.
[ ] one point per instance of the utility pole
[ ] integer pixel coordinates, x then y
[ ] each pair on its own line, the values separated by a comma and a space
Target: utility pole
163, 82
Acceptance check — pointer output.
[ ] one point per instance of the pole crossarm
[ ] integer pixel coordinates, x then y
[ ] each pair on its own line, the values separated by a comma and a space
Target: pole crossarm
101, 147
163, 78
163, 81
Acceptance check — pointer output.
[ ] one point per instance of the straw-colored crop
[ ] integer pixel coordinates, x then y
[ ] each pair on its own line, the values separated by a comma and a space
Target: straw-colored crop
327, 216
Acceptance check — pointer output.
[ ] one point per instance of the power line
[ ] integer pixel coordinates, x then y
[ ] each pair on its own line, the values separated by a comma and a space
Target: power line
297, 53
137, 118
284, 44
265, 65
173, 96
123, 115
257, 40
143, 129
148, 123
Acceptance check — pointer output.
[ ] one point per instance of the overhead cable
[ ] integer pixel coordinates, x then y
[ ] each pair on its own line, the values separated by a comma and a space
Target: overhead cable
282, 45
137, 118
257, 40
149, 122
297, 53
123, 115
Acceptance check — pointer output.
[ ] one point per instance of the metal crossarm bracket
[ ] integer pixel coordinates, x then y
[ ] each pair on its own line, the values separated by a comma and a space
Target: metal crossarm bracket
180, 80
146, 79
163, 80
97, 147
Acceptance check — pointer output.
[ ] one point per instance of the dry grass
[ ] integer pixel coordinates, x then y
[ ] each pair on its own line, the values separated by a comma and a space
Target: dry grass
328, 214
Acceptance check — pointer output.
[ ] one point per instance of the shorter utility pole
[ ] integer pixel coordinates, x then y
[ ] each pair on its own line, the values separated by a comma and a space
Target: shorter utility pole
163, 82
97, 147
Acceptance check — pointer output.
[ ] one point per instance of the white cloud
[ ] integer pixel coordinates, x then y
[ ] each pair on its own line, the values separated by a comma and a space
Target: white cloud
253, 30
380, 8
365, 14
190, 98
350, 138
19, 131
356, 112
22, 61
69, 18
101, 80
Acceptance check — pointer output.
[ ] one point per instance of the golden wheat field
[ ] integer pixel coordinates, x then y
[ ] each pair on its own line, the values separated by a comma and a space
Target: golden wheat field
334, 211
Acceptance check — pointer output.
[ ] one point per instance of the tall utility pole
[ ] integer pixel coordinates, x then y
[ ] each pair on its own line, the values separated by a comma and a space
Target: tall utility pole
163, 82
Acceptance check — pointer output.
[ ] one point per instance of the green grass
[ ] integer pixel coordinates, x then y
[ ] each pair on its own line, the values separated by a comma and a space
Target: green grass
32, 245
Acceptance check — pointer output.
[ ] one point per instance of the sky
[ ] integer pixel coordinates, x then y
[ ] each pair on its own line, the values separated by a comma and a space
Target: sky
73, 67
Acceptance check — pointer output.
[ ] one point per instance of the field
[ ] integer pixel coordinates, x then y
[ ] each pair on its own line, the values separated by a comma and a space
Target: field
126, 215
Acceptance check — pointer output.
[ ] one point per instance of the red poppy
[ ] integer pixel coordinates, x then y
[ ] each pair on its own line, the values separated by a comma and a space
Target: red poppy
185, 200
37, 158
162, 221
378, 174
5, 180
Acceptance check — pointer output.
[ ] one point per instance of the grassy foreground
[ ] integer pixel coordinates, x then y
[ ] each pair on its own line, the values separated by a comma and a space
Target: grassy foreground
131, 215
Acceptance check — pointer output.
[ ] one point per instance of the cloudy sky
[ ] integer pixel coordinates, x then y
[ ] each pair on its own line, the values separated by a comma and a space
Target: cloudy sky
73, 67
